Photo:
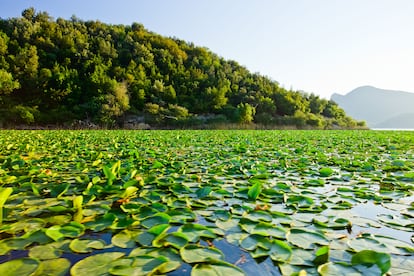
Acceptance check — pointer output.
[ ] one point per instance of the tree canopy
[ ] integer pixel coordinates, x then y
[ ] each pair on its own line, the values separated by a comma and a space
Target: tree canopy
57, 71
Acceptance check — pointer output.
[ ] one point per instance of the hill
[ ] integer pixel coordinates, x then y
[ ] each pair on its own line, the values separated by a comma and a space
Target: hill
63, 71
380, 108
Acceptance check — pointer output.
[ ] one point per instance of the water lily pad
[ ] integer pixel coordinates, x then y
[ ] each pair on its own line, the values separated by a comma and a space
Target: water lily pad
251, 242
199, 254
124, 239
338, 269
255, 190
325, 172
216, 268
370, 257
72, 230
193, 232
159, 218
306, 239
45, 252
280, 251
99, 264
13, 244
86, 245
397, 222
140, 265
175, 239
19, 267
367, 242
54, 267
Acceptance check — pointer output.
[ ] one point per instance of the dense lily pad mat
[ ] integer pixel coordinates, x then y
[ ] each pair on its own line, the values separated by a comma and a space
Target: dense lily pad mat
171, 202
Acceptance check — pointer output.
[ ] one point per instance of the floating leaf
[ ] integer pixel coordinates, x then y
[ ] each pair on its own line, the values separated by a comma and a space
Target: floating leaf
216, 268
203, 192
325, 172
321, 255
199, 254
370, 257
306, 239
72, 230
4, 194
255, 190
99, 264
175, 239
337, 269
193, 232
45, 252
124, 239
280, 251
19, 267
86, 245
157, 219
55, 267
140, 265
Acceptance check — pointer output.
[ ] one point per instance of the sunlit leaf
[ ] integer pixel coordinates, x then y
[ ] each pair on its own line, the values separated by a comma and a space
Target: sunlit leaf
216, 268
99, 264
337, 269
306, 239
54, 267
19, 267
370, 257
199, 254
86, 245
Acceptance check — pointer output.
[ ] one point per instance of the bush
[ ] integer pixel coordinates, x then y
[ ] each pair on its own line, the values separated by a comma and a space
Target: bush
21, 114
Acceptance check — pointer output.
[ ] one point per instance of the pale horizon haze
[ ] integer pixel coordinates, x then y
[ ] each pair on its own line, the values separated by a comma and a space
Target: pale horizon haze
316, 46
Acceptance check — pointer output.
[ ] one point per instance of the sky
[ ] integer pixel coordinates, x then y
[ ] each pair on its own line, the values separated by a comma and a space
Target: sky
316, 46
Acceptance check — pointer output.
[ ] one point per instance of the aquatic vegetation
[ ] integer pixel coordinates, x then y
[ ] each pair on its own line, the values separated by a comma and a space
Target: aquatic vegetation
199, 202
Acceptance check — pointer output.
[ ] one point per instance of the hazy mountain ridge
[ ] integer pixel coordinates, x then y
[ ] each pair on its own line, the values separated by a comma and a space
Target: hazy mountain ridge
380, 108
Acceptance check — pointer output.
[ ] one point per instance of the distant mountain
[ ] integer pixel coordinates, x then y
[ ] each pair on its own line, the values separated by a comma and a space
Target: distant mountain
380, 108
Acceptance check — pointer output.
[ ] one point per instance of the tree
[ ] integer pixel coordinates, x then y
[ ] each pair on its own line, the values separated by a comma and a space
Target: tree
116, 103
7, 83
246, 113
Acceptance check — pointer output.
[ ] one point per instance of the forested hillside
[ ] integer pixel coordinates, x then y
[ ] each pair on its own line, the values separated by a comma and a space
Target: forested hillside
60, 71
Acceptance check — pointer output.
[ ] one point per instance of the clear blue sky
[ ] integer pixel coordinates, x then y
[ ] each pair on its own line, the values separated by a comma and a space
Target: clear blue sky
320, 46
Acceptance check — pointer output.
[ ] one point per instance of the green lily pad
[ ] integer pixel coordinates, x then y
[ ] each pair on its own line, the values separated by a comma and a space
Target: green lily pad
199, 254
140, 265
54, 267
193, 232
306, 239
255, 190
370, 257
325, 172
71, 230
216, 268
280, 251
86, 245
13, 244
175, 239
99, 264
19, 267
124, 239
337, 269
367, 242
159, 218
45, 252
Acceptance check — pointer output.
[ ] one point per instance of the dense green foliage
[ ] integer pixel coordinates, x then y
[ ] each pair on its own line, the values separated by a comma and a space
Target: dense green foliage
55, 71
206, 202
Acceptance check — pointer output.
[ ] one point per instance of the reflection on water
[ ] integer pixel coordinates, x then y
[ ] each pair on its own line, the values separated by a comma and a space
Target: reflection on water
370, 210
